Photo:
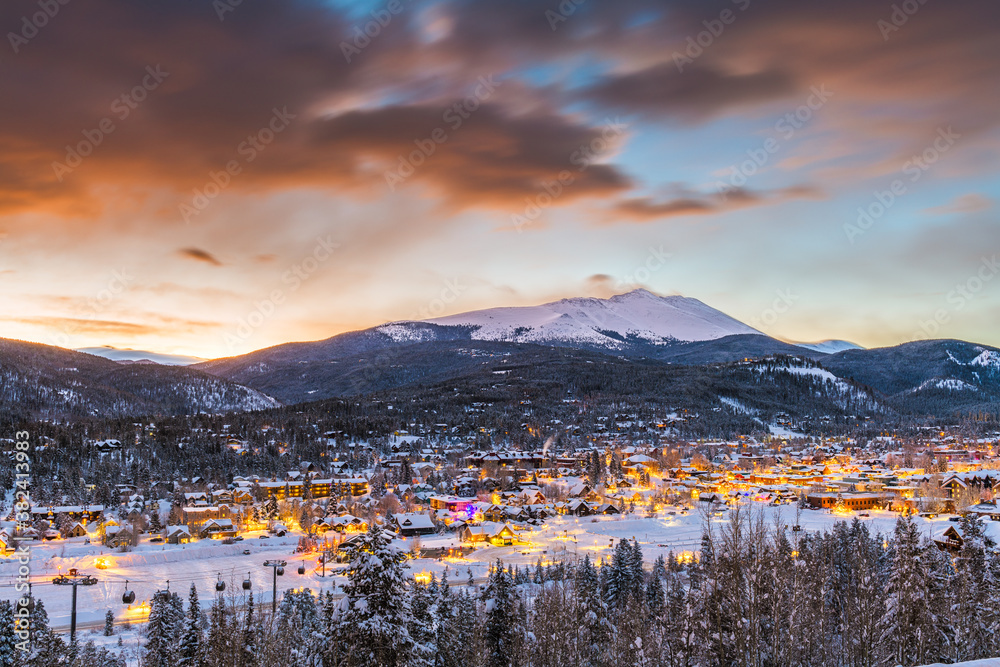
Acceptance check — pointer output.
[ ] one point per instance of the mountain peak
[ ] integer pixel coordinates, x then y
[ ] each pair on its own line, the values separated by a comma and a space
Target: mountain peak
637, 315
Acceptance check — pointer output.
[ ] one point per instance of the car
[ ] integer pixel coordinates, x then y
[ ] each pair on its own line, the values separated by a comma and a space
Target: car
155, 540
238, 538
264, 537
246, 552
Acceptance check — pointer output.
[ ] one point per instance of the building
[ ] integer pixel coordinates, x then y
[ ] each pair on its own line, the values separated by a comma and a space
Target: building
178, 535
318, 488
451, 503
852, 501
410, 525
217, 529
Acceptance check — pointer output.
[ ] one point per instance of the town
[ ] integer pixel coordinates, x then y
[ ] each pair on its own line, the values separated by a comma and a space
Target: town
453, 508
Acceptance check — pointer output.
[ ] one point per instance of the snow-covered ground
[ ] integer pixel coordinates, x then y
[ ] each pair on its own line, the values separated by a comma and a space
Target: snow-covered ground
150, 566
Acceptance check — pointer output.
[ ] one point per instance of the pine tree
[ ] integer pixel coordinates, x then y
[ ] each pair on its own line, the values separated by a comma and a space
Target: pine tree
248, 656
591, 614
46, 646
160, 632
190, 652
502, 632
421, 626
636, 573
905, 616
109, 623
9, 653
376, 621
468, 629
972, 615
218, 645
271, 508
449, 650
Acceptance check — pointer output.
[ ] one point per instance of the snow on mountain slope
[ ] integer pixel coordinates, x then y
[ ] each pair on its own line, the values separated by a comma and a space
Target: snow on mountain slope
987, 359
951, 384
830, 346
637, 314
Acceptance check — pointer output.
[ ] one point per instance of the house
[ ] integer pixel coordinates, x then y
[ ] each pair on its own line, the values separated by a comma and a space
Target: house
76, 530
578, 507
985, 510
410, 525
6, 543
497, 534
217, 529
344, 523
451, 503
178, 535
852, 501
951, 540
607, 508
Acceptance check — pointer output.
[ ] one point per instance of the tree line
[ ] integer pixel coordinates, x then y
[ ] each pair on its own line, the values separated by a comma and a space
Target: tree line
754, 596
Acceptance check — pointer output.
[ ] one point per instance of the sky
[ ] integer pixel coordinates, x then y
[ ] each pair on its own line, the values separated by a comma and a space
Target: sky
210, 178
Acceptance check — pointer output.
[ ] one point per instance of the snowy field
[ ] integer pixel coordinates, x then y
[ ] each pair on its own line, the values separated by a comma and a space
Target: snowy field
150, 566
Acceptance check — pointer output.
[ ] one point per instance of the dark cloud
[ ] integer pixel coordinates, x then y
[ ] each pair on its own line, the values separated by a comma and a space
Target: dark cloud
694, 94
493, 158
352, 120
640, 209
199, 255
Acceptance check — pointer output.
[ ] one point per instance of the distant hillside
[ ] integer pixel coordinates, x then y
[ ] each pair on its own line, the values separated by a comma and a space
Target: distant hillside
41, 380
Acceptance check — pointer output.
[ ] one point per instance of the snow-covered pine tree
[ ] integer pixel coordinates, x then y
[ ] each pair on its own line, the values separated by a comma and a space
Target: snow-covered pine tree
449, 651
218, 644
938, 634
247, 655
971, 593
190, 650
376, 620
591, 614
46, 645
9, 653
637, 574
161, 637
109, 623
468, 629
503, 632
905, 614
421, 626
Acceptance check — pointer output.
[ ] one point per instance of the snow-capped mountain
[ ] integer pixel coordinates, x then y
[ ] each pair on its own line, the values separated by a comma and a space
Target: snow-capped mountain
129, 355
637, 316
830, 346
